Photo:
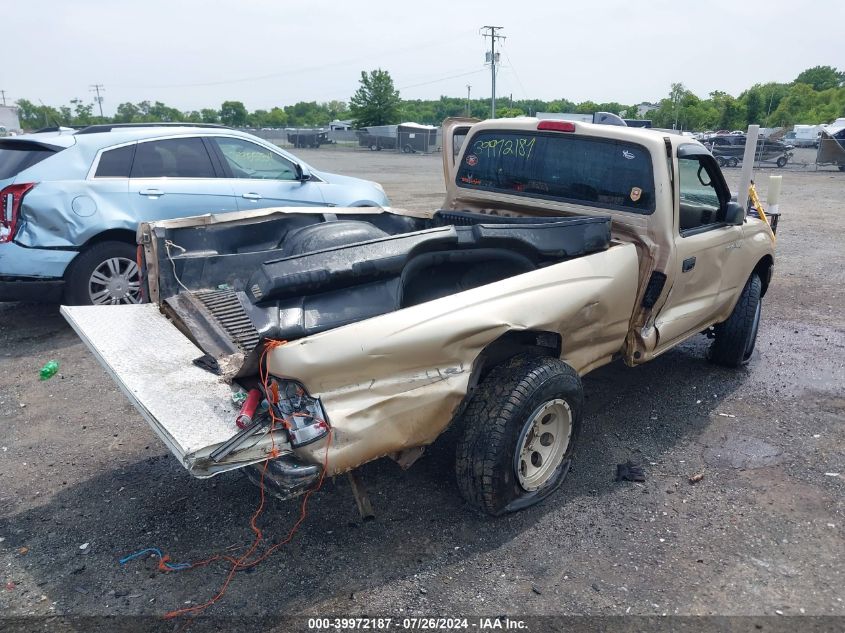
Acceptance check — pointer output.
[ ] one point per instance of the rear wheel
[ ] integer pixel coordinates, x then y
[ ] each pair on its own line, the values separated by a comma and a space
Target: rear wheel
104, 274
520, 429
735, 338
781, 162
733, 162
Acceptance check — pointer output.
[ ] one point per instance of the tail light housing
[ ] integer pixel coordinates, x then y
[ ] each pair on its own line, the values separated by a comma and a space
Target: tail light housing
11, 198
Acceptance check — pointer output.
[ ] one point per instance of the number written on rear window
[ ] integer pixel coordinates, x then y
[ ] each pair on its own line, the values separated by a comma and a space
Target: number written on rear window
562, 167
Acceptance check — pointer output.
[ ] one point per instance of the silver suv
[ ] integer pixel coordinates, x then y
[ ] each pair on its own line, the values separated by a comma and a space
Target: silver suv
70, 201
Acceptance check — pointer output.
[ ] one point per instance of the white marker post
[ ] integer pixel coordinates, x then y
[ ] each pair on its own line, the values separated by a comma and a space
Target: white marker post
747, 165
773, 195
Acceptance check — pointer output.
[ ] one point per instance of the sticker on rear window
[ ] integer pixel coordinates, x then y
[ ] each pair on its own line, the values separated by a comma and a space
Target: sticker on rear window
472, 160
628, 155
636, 193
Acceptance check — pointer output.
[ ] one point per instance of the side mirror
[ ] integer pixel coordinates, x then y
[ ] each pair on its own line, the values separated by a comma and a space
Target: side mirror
734, 213
302, 173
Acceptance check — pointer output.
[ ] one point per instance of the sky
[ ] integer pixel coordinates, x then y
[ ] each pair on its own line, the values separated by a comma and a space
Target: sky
192, 54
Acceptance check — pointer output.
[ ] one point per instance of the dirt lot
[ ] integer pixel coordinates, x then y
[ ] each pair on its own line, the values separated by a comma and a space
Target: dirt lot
83, 480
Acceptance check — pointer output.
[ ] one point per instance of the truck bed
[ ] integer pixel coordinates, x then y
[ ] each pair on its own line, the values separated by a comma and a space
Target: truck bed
294, 276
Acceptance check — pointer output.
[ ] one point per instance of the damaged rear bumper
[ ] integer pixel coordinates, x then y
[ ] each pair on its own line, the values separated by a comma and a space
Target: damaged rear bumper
32, 289
32, 274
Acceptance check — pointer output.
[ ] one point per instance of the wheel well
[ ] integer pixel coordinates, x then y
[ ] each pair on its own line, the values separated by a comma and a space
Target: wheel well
764, 270
508, 345
112, 235
534, 342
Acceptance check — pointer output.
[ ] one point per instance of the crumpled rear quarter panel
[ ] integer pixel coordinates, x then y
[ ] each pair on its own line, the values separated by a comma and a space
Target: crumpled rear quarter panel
394, 381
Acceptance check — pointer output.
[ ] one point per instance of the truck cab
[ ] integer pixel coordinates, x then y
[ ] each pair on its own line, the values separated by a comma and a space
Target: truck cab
664, 192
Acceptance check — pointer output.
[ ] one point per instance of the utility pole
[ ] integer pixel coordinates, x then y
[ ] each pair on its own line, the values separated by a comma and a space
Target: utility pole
96, 88
469, 111
490, 31
3, 93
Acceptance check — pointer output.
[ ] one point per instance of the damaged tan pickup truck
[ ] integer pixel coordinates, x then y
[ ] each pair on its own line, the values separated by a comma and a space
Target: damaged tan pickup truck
364, 333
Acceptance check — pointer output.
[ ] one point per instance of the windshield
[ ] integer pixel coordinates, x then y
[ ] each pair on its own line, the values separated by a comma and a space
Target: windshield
569, 168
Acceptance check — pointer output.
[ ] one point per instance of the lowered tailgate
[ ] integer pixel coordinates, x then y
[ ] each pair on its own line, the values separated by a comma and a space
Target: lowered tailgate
152, 361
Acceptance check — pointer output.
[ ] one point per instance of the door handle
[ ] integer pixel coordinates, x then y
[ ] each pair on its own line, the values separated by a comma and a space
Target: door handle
688, 265
251, 196
151, 192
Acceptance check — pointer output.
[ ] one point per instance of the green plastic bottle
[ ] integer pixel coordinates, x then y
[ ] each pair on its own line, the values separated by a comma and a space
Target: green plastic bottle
49, 370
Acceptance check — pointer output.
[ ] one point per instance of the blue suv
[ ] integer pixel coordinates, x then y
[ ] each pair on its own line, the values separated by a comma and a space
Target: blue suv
71, 200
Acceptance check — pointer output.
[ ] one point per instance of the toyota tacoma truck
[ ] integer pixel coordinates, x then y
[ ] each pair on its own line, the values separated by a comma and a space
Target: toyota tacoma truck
362, 333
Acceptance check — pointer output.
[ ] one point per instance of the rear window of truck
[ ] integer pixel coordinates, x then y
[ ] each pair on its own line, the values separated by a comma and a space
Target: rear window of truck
561, 167
15, 156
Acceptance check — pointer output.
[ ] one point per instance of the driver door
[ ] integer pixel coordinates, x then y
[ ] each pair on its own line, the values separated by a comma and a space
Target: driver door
263, 178
705, 271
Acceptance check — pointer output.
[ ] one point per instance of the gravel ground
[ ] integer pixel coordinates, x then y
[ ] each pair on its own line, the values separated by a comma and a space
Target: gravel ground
84, 481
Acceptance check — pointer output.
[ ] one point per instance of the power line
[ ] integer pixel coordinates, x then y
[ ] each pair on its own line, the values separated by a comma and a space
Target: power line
516, 74
490, 31
309, 69
99, 99
435, 81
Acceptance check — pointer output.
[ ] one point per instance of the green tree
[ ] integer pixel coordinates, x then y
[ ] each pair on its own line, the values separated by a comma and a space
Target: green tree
164, 113
560, 105
729, 111
277, 117
210, 115
376, 102
83, 113
336, 109
821, 77
233, 113
508, 113
127, 113
307, 114
257, 119
34, 116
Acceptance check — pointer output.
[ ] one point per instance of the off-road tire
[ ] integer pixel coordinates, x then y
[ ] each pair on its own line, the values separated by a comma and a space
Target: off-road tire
83, 265
493, 421
735, 338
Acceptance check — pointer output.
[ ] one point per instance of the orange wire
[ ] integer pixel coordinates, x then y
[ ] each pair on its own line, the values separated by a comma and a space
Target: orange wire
240, 564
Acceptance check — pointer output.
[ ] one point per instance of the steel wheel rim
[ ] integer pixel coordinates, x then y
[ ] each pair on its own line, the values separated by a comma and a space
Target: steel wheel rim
543, 443
115, 281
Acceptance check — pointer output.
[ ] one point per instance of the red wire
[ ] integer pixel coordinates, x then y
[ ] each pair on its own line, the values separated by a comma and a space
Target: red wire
242, 563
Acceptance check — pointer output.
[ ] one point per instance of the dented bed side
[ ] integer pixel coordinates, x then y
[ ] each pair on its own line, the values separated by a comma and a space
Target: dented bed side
394, 382
387, 384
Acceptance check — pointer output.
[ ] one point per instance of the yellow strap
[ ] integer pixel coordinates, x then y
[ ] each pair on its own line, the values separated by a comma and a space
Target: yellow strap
761, 212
